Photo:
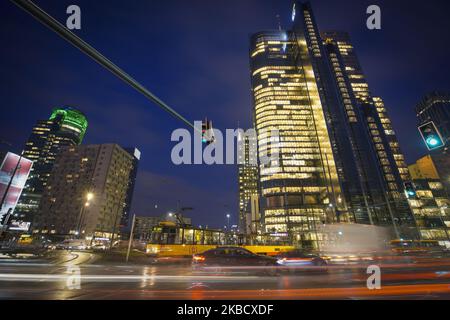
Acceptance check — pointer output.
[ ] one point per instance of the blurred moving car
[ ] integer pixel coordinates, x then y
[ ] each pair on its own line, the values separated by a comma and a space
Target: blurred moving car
231, 257
98, 246
71, 244
297, 258
417, 247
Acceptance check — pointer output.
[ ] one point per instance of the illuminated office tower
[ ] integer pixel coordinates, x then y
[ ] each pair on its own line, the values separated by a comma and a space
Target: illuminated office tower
352, 67
382, 167
339, 157
248, 184
65, 127
86, 194
302, 192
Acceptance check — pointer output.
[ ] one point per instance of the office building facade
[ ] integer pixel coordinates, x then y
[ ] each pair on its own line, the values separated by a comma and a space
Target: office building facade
339, 157
431, 202
65, 127
248, 183
435, 166
86, 193
300, 194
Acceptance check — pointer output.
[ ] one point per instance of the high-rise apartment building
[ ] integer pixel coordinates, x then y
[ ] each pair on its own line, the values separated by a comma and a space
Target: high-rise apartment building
248, 182
339, 160
65, 127
86, 194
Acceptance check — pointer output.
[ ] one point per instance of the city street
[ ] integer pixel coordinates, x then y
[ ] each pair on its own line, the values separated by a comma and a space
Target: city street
224, 150
412, 278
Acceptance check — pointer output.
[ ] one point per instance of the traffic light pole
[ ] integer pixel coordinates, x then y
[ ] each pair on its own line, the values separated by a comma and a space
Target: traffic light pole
51, 23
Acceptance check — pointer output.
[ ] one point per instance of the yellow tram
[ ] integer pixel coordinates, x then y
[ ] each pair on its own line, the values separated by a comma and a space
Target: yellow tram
171, 240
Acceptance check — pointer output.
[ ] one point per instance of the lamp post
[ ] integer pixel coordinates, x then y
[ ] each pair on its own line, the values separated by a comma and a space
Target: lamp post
89, 196
114, 228
227, 227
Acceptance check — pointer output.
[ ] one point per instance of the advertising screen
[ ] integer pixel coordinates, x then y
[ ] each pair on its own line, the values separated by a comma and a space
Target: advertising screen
14, 173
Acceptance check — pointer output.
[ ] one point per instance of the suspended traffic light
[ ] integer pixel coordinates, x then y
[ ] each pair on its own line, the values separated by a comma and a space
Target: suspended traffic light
207, 132
431, 136
410, 190
204, 129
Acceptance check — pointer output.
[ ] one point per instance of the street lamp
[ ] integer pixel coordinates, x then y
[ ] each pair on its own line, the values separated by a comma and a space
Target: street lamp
89, 196
228, 218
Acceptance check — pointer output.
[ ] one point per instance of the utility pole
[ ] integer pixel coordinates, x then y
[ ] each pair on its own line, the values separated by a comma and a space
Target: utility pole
114, 228
131, 237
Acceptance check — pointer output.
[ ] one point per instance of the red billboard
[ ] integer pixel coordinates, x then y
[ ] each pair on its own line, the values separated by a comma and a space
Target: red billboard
14, 173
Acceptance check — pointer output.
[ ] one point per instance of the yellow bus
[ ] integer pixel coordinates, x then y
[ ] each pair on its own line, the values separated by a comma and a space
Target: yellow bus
171, 240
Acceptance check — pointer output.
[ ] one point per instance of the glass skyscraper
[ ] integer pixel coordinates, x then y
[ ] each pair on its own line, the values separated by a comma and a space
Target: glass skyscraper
65, 127
302, 192
339, 157
248, 182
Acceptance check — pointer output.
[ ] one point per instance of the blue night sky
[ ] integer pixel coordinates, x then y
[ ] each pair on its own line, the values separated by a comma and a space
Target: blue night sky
193, 54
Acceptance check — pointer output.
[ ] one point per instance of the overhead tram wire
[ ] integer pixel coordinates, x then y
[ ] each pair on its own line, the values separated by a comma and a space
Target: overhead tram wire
50, 22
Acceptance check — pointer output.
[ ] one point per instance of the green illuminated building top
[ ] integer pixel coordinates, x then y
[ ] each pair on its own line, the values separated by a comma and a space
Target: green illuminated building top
71, 120
65, 128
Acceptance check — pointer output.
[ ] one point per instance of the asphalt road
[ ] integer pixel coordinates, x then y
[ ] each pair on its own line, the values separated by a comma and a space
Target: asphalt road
82, 275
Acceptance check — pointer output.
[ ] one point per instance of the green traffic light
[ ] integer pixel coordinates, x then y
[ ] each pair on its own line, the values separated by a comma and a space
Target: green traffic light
432, 141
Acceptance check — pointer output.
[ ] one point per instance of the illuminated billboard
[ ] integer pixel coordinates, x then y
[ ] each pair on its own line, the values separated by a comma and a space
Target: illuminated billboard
14, 173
